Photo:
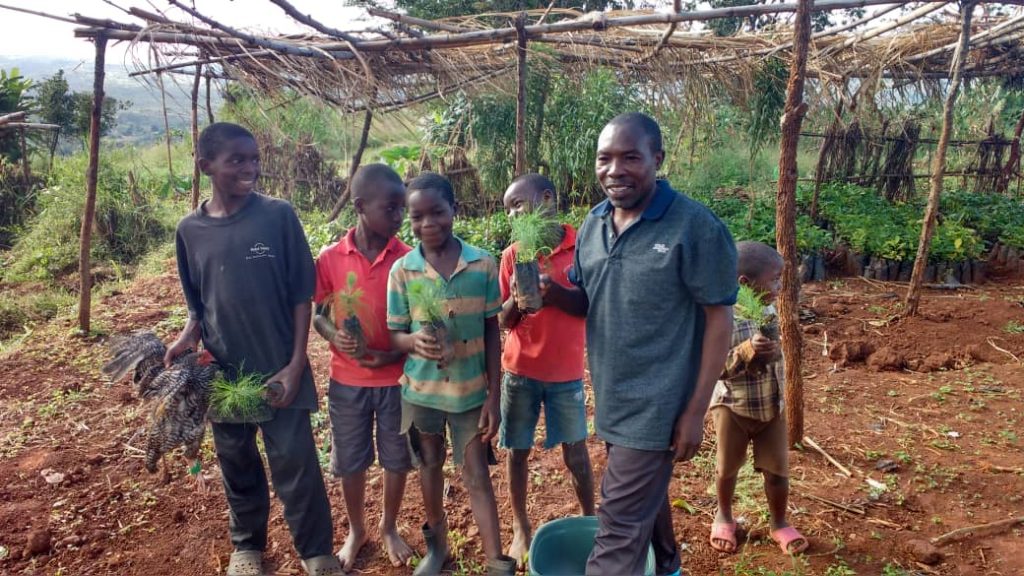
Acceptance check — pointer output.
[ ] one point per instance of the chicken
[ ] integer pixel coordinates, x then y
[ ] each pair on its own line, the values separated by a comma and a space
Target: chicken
178, 396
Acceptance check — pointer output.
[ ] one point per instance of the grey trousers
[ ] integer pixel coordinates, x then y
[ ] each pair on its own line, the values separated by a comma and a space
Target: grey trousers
295, 472
634, 513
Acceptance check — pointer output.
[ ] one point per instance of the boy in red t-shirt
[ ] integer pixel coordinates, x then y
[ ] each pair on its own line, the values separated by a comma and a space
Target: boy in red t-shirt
366, 387
543, 364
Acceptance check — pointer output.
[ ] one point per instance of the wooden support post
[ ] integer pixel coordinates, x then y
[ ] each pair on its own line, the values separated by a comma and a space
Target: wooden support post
1012, 166
785, 224
356, 159
521, 95
26, 172
939, 165
209, 106
819, 169
167, 127
195, 137
84, 275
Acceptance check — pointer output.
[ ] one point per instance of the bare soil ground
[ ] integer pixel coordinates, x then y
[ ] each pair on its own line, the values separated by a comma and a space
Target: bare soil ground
935, 402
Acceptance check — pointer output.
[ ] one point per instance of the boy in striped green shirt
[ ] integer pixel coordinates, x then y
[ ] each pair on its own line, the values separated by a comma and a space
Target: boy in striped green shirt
451, 375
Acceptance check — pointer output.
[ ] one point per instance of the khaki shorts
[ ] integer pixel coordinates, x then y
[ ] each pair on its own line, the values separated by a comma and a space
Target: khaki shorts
462, 428
735, 433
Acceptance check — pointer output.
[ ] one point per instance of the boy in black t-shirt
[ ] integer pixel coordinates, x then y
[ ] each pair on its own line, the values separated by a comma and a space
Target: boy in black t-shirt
248, 277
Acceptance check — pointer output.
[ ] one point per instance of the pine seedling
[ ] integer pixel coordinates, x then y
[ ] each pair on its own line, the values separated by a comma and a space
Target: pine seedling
426, 300
349, 300
242, 399
536, 233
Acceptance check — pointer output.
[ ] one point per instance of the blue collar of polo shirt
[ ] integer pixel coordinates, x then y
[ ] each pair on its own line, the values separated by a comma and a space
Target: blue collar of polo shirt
663, 197
414, 259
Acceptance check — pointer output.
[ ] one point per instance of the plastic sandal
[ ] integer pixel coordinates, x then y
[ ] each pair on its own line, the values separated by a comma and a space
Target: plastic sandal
325, 565
723, 531
790, 541
246, 563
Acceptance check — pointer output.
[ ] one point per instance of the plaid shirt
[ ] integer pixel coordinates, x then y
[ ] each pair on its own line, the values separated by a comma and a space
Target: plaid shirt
749, 390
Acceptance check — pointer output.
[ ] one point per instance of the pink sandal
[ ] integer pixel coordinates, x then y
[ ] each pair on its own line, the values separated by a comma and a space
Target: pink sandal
790, 541
723, 531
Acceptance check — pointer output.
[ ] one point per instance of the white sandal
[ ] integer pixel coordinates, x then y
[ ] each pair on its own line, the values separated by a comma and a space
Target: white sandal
246, 563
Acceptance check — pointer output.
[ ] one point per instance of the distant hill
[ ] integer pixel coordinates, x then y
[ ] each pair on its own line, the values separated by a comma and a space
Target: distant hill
140, 124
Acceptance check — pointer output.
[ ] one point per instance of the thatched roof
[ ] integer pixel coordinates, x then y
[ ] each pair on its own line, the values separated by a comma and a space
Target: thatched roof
409, 60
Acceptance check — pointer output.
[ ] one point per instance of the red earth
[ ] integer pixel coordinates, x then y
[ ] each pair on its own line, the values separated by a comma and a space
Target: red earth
934, 401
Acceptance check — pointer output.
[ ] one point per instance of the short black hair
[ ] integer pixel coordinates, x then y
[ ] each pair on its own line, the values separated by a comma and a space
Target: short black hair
645, 123
753, 258
433, 181
536, 182
216, 135
370, 178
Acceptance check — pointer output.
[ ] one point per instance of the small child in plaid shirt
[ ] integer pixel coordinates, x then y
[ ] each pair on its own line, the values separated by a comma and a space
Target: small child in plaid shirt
747, 409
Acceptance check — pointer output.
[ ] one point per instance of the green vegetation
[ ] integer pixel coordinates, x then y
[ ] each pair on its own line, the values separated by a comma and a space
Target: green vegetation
426, 300
750, 306
242, 399
536, 233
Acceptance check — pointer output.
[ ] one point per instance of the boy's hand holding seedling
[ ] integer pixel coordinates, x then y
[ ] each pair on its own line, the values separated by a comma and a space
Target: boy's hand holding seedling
344, 342
765, 348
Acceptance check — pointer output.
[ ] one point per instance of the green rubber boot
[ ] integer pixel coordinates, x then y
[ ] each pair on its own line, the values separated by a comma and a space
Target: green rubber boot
501, 566
436, 539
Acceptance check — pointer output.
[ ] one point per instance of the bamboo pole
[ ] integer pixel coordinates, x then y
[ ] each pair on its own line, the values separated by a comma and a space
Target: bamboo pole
785, 228
939, 164
84, 274
195, 137
520, 166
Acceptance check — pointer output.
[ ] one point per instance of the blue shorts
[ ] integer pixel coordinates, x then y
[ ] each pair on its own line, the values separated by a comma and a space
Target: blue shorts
565, 412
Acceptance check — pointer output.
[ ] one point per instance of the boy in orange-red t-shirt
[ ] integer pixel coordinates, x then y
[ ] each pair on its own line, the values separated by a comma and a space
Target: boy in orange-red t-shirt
543, 364
366, 388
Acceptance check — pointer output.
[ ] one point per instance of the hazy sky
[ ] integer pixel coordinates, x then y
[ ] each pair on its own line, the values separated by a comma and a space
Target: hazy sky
28, 35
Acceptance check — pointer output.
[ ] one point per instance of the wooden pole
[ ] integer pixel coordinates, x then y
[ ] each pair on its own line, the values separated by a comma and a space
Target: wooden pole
785, 227
26, 173
167, 127
1013, 162
209, 106
521, 95
195, 137
939, 164
356, 159
84, 275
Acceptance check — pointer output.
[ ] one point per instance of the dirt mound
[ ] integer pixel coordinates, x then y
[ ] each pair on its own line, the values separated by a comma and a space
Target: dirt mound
886, 359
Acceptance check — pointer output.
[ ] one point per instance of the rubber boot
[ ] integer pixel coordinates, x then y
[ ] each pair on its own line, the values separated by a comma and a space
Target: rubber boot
501, 566
436, 539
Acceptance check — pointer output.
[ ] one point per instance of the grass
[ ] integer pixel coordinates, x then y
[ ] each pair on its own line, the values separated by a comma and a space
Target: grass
19, 312
1013, 327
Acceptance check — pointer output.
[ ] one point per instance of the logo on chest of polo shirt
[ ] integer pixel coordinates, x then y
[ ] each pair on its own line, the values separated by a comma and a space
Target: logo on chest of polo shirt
259, 250
660, 248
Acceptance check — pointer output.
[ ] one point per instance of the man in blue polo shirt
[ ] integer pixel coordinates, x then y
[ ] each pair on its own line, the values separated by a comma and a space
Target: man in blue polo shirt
656, 278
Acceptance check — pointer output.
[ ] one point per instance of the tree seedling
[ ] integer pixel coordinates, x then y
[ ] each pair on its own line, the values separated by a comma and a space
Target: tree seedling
426, 304
537, 235
242, 399
348, 302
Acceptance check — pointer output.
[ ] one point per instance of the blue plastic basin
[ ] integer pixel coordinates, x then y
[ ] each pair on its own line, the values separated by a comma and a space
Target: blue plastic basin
561, 547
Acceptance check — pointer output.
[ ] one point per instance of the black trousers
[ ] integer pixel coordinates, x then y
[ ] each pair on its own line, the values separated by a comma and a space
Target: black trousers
634, 514
295, 472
